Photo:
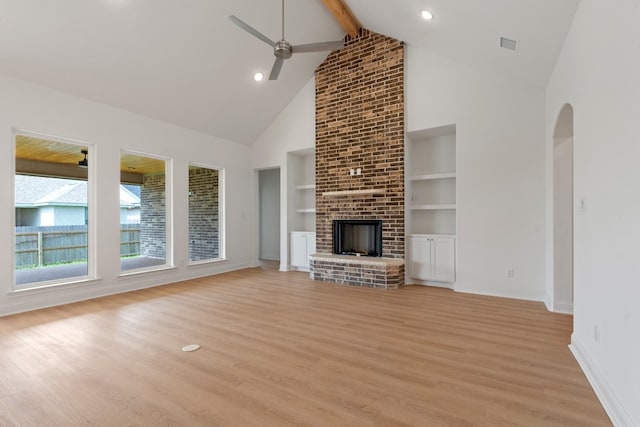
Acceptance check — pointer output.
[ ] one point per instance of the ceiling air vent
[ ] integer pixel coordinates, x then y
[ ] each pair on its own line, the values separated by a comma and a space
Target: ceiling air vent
509, 44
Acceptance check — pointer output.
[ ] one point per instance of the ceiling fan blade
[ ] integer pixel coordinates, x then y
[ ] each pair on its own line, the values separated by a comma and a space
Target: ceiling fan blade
318, 47
275, 70
248, 28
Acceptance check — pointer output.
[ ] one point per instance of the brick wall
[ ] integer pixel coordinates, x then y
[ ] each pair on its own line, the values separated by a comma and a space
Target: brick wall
204, 220
153, 218
360, 123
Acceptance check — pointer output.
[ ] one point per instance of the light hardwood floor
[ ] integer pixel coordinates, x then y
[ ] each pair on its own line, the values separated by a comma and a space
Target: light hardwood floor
279, 349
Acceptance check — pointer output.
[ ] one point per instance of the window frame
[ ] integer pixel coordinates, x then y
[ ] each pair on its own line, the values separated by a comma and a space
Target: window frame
92, 208
169, 206
222, 242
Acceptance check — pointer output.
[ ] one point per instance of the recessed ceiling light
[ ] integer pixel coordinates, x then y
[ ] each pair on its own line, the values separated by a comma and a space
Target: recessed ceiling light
426, 15
258, 77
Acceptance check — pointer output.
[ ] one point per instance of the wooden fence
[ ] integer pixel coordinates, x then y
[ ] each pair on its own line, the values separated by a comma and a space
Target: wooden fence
41, 246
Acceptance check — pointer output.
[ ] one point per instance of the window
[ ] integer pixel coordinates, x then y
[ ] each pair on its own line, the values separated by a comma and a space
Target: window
53, 227
144, 225
205, 229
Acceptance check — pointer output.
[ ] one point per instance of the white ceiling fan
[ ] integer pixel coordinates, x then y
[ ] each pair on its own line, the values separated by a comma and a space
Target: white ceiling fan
282, 49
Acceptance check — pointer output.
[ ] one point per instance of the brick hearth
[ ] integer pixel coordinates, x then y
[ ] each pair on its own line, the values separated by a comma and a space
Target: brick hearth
367, 272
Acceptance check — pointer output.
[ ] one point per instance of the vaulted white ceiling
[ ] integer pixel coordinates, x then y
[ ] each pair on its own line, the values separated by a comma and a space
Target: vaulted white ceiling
183, 62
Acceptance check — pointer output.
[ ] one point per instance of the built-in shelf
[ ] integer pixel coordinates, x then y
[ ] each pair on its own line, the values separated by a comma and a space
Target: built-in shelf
431, 207
306, 187
301, 192
430, 235
351, 193
431, 181
426, 177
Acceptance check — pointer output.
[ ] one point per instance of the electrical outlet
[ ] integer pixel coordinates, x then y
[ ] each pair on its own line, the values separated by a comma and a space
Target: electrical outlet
509, 273
359, 171
352, 172
583, 204
596, 333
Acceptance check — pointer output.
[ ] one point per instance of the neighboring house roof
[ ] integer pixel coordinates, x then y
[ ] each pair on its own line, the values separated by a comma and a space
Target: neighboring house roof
128, 199
69, 194
36, 191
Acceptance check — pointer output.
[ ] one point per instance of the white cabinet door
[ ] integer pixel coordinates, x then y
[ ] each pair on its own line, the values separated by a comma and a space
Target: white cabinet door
419, 257
303, 244
432, 257
443, 256
299, 250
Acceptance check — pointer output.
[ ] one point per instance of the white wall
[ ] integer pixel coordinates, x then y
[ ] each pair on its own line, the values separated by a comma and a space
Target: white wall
269, 214
563, 226
500, 170
38, 109
293, 130
597, 73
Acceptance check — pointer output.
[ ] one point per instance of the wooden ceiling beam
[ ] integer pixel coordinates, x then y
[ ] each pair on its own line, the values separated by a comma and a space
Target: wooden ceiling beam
343, 14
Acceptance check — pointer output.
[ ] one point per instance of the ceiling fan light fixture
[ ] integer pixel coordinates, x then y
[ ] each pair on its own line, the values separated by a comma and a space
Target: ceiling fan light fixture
426, 15
282, 49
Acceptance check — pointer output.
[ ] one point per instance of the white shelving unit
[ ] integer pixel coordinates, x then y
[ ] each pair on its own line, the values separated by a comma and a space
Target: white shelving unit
306, 210
431, 201
301, 207
431, 185
306, 187
428, 207
306, 199
301, 177
431, 176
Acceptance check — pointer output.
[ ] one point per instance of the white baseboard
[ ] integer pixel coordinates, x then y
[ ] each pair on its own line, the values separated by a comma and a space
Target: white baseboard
524, 297
419, 282
611, 404
284, 267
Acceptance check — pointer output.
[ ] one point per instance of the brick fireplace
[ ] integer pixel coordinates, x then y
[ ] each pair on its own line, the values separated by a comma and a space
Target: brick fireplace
360, 127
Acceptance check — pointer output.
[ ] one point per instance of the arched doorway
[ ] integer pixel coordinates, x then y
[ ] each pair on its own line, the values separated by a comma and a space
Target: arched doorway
563, 211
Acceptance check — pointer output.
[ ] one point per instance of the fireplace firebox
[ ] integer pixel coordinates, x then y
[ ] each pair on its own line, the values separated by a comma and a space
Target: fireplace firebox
360, 237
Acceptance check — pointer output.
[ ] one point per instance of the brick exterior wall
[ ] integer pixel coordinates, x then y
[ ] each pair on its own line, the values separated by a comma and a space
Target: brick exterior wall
153, 218
204, 219
360, 124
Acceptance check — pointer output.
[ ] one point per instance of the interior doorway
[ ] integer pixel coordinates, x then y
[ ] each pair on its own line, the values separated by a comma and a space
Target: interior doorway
563, 211
269, 214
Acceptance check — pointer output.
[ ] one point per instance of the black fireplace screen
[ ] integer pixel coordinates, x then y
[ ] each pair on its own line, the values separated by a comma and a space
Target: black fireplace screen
357, 237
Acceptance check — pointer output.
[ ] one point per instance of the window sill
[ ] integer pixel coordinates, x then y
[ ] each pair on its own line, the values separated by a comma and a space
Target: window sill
139, 271
47, 287
206, 261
